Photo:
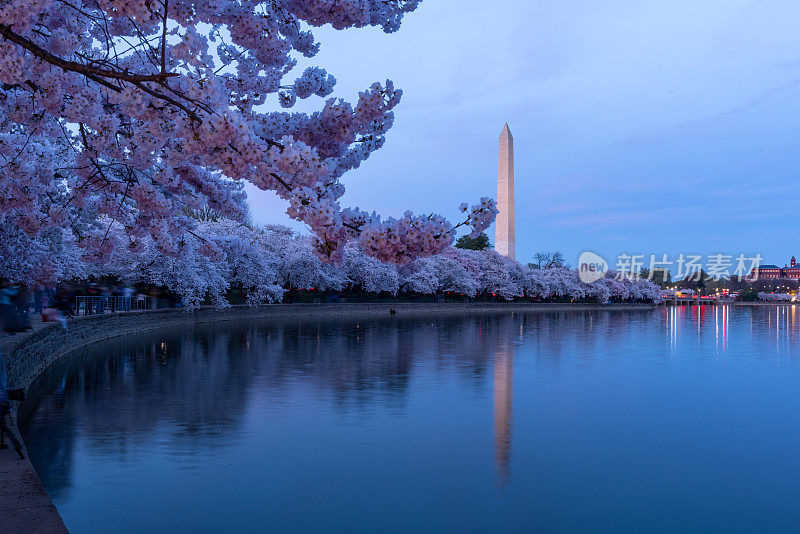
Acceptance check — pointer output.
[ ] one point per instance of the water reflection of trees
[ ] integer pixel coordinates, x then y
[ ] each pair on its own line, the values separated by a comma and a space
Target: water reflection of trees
195, 384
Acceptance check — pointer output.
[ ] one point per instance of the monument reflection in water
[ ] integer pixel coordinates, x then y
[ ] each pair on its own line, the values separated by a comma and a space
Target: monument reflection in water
672, 419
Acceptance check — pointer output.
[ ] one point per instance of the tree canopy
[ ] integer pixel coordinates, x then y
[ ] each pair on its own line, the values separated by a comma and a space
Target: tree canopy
141, 111
264, 262
473, 243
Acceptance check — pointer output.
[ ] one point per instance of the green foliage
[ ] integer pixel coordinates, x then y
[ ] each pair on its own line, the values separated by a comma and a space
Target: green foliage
478, 243
749, 294
703, 282
662, 277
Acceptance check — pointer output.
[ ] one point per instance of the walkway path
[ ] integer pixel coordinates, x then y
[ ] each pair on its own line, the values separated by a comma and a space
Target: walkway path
25, 506
8, 342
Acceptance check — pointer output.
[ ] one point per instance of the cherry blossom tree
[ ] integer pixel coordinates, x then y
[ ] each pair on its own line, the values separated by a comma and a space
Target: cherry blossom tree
501, 277
437, 274
41, 260
490, 271
774, 297
264, 262
248, 258
453, 277
368, 274
301, 268
420, 276
557, 282
138, 111
193, 275
249, 263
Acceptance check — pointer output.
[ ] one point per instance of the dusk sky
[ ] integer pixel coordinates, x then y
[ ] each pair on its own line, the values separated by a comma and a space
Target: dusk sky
639, 126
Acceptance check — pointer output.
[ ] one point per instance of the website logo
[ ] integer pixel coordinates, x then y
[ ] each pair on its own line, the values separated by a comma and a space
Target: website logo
591, 267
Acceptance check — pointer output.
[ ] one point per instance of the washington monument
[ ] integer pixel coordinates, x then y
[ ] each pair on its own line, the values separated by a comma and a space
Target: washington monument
504, 225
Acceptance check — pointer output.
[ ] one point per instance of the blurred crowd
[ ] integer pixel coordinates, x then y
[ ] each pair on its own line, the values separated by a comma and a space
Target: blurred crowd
19, 304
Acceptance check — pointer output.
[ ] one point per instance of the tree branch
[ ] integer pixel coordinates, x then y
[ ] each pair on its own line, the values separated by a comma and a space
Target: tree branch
192, 115
280, 181
164, 40
80, 68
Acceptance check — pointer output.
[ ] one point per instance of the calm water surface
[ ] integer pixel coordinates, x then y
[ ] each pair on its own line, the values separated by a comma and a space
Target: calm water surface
678, 419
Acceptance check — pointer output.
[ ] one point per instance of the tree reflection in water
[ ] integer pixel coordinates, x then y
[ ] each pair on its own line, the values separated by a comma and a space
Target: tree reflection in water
532, 414
200, 379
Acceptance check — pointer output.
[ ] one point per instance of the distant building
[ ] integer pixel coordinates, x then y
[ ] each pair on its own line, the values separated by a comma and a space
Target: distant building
772, 272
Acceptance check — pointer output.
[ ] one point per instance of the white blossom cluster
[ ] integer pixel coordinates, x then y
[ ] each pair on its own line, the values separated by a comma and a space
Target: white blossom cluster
774, 297
40, 261
264, 262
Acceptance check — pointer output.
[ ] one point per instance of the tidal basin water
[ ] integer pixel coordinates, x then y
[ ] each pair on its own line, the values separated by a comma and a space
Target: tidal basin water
669, 420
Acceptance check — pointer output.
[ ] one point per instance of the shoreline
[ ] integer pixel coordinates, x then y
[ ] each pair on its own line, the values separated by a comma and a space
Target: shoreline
25, 505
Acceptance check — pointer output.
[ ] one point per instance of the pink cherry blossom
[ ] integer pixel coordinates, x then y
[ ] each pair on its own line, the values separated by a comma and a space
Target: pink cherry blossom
131, 112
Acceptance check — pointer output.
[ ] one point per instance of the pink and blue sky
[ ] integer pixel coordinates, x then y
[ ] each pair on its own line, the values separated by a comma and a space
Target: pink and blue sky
640, 126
